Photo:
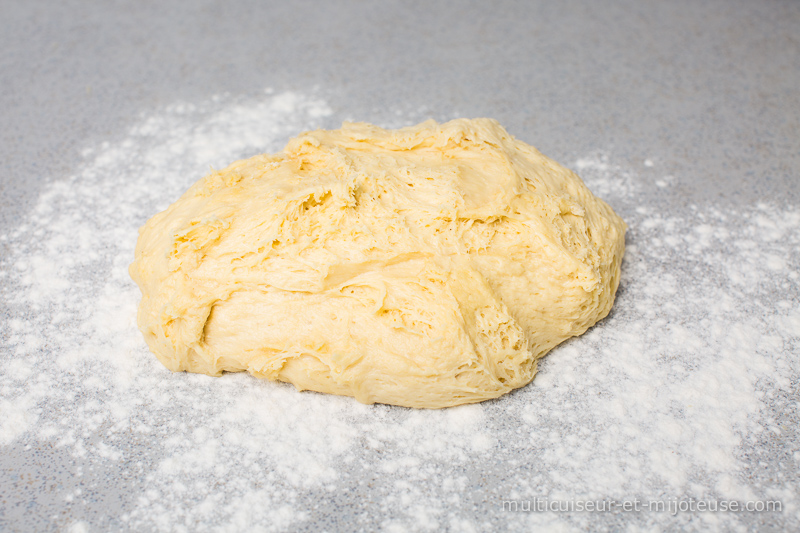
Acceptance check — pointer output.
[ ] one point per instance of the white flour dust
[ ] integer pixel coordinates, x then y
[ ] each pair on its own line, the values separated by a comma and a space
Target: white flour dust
685, 390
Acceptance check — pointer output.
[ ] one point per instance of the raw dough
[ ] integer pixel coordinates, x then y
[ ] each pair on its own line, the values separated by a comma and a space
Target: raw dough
427, 267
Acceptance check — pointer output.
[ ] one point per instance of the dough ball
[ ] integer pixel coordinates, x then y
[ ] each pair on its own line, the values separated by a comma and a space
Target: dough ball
428, 266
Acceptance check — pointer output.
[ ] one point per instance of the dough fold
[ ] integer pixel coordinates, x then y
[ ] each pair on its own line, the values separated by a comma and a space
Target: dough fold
428, 266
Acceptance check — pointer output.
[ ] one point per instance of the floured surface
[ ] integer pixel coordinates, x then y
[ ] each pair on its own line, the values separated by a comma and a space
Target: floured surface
428, 266
688, 388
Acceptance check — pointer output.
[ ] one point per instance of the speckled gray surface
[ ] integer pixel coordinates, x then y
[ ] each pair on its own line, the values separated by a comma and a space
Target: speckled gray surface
706, 90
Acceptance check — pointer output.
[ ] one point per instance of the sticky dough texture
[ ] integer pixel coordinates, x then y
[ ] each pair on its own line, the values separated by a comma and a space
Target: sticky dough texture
429, 266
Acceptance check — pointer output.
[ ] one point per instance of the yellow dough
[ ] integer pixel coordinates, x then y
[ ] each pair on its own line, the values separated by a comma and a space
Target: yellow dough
428, 266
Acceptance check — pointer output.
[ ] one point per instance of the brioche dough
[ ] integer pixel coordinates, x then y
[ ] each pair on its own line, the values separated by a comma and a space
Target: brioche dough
427, 267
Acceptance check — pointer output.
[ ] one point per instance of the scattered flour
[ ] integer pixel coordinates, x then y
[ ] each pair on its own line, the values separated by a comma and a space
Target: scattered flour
688, 389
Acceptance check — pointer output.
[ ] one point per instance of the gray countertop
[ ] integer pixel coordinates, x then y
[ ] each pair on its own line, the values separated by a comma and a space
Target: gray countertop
685, 116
